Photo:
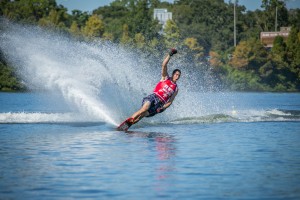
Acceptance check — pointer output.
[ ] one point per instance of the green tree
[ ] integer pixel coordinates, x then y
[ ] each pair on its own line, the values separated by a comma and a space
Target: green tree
125, 36
140, 19
279, 49
293, 53
215, 60
249, 55
57, 18
209, 21
277, 75
171, 34
3, 6
74, 29
139, 16
8, 80
243, 81
139, 40
79, 17
108, 36
114, 17
269, 14
240, 57
293, 48
194, 48
294, 17
28, 10
94, 27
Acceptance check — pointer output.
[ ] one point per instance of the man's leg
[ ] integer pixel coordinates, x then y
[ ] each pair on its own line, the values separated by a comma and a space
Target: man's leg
143, 112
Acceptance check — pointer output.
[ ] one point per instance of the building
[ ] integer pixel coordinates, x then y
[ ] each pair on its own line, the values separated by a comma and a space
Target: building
267, 38
162, 15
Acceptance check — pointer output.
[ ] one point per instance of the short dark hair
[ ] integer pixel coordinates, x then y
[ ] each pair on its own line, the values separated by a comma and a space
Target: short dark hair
176, 70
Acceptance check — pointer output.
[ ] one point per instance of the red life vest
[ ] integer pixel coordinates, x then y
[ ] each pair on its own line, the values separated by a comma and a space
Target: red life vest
165, 89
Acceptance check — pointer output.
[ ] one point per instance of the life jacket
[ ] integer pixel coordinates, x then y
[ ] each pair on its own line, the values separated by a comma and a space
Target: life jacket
165, 89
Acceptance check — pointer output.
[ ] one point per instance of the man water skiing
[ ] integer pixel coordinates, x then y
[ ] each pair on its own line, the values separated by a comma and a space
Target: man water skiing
162, 97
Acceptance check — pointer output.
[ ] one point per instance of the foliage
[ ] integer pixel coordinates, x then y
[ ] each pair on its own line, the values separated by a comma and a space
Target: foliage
293, 49
8, 80
74, 29
125, 36
241, 55
248, 55
172, 34
79, 17
194, 49
215, 60
55, 19
279, 49
94, 27
200, 29
139, 40
244, 81
27, 10
268, 16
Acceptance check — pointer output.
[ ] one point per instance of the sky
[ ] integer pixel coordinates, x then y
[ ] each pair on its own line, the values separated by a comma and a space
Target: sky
90, 5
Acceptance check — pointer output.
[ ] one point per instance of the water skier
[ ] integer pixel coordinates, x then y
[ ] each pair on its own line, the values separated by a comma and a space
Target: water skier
162, 97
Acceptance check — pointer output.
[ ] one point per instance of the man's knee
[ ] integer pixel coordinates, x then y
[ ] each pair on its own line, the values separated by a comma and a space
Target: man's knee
146, 106
142, 110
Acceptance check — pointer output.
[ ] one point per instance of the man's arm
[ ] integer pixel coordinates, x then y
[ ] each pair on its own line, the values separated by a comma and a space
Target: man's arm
164, 72
169, 103
171, 100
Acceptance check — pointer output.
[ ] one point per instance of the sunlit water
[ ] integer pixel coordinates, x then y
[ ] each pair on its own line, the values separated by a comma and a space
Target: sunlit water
61, 143
47, 151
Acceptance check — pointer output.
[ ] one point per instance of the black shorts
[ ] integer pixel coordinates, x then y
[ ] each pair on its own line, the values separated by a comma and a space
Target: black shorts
155, 103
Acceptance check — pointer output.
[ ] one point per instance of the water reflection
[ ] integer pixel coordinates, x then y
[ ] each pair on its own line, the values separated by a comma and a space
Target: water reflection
164, 146
164, 143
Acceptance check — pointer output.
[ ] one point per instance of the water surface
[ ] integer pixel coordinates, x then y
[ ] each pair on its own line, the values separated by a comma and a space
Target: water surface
248, 151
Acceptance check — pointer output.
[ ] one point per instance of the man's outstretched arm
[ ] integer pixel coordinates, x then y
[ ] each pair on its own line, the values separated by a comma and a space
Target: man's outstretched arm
164, 72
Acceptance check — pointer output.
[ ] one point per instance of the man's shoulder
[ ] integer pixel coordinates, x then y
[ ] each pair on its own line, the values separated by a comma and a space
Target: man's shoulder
164, 78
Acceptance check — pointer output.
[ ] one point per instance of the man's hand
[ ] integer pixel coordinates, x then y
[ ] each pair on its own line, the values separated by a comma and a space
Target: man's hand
172, 51
160, 110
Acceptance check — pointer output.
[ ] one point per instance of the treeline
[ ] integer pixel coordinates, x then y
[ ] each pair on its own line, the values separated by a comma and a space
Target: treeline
201, 29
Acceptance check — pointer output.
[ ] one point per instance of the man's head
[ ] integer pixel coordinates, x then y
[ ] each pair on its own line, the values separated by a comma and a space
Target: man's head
176, 75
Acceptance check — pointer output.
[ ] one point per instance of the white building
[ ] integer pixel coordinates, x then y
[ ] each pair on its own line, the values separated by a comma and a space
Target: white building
162, 15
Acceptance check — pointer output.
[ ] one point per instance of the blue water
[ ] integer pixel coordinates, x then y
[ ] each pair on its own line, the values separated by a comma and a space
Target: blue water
61, 143
245, 148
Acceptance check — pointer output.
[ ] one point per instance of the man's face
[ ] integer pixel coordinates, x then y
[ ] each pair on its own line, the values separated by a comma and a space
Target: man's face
176, 76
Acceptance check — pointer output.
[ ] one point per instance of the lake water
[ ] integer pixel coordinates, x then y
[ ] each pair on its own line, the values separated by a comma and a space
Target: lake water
62, 144
247, 147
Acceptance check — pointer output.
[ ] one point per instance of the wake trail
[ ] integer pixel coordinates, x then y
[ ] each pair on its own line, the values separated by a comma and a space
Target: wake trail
98, 79
236, 116
94, 77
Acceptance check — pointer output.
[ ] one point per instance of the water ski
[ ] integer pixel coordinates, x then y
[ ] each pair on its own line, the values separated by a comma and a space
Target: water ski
124, 126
